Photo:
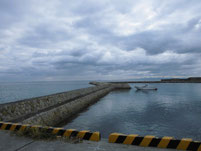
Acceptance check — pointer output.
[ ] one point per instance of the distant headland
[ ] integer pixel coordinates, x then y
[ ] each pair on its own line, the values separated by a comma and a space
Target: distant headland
170, 80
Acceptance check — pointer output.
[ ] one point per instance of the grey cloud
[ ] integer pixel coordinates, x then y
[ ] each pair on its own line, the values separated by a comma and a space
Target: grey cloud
12, 12
155, 41
78, 52
43, 35
82, 7
65, 40
93, 26
152, 41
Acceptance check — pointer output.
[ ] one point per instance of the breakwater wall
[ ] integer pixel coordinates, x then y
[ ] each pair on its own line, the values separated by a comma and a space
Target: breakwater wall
52, 109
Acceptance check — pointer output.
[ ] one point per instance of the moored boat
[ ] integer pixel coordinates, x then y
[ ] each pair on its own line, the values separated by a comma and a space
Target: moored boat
145, 88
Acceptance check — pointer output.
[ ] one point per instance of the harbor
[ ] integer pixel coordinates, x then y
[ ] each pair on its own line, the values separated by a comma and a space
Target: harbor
109, 75
116, 107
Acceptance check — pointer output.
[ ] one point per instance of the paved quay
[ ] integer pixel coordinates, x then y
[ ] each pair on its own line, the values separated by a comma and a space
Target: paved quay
10, 142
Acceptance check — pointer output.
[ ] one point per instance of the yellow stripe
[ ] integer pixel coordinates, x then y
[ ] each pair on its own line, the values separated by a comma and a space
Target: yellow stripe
113, 137
12, 128
199, 149
129, 139
95, 136
55, 130
164, 142
68, 132
146, 140
82, 133
22, 128
3, 126
184, 143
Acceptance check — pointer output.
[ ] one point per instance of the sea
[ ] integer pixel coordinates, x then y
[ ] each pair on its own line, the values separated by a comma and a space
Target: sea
173, 110
13, 91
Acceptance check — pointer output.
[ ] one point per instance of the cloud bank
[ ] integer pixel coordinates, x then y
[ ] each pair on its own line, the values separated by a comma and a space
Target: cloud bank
92, 40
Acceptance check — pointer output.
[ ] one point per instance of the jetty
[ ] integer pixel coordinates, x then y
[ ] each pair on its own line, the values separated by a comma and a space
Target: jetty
53, 109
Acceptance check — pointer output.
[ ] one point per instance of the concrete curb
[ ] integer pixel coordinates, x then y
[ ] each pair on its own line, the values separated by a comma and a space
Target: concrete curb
152, 141
133, 139
86, 135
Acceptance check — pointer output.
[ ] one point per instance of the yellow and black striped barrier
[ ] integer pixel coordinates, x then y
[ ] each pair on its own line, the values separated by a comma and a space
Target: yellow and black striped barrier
86, 135
152, 141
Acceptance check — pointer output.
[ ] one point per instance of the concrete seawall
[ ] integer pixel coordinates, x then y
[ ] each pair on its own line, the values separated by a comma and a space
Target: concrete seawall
53, 109
58, 114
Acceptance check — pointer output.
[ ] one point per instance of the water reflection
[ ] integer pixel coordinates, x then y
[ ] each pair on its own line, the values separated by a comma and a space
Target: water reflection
173, 110
143, 91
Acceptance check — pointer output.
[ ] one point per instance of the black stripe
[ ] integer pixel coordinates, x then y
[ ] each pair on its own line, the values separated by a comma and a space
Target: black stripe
8, 126
87, 135
194, 146
154, 142
40, 128
99, 136
61, 132
137, 140
48, 130
173, 143
120, 139
74, 134
18, 127
1, 124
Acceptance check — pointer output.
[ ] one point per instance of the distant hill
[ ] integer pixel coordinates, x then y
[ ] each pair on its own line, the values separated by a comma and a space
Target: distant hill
190, 79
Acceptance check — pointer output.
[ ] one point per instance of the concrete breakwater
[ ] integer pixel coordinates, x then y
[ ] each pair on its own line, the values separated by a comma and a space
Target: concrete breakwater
52, 109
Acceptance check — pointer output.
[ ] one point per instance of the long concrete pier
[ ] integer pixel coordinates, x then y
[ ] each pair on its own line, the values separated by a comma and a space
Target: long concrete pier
53, 109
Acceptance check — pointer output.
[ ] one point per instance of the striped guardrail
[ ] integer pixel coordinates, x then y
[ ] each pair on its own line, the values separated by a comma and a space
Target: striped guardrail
86, 135
152, 141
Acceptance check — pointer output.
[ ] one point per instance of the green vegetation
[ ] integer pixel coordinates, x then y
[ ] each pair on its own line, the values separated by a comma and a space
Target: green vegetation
36, 133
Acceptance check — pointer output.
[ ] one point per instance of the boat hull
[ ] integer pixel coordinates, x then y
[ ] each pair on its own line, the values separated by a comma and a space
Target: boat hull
139, 88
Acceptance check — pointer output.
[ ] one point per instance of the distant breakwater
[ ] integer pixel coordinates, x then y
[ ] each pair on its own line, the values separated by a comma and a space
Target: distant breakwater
156, 82
172, 80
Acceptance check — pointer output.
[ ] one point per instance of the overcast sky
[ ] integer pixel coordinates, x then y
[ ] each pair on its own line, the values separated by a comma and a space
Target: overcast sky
99, 40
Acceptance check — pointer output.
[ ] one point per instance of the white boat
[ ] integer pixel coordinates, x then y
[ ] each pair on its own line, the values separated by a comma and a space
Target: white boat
145, 88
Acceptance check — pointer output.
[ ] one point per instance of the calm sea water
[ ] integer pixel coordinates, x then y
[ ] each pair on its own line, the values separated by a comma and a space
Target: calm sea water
173, 110
10, 92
